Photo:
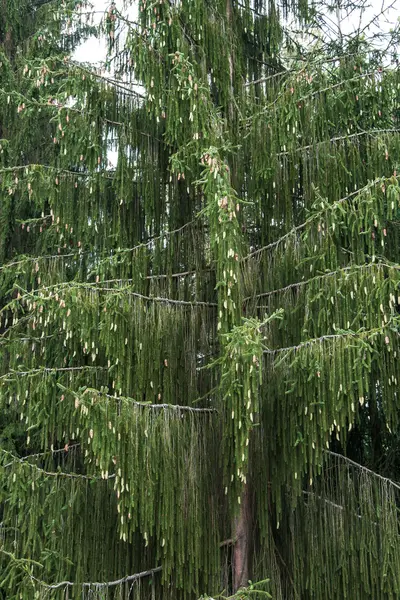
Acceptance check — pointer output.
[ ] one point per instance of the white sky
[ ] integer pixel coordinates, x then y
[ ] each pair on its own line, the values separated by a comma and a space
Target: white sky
94, 50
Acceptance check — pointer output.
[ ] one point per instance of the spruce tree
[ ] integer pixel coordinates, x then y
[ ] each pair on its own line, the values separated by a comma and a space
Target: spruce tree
198, 346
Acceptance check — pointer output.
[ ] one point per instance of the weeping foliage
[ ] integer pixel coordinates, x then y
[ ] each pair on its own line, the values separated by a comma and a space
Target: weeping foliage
199, 300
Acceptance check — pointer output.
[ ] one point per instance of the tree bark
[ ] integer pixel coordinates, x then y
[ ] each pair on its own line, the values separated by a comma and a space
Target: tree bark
242, 533
231, 57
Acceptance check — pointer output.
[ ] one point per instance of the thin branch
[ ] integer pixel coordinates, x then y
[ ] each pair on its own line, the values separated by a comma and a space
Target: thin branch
377, 16
50, 473
334, 505
229, 542
338, 506
47, 452
57, 170
110, 81
176, 275
51, 370
16, 340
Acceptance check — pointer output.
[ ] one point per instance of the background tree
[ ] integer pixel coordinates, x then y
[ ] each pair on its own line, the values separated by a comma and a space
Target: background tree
199, 346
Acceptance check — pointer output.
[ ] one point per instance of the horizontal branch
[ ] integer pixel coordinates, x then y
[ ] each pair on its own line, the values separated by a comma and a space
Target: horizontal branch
323, 338
108, 584
143, 133
113, 252
333, 504
307, 63
116, 290
351, 270
363, 468
308, 343
229, 542
267, 78
5, 341
338, 139
109, 80
175, 275
153, 298
176, 407
36, 103
23, 461
57, 170
47, 452
328, 88
338, 506
51, 370
116, 582
126, 291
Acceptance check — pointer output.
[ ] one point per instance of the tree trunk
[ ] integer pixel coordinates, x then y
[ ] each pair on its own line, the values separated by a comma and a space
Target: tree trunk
229, 23
242, 533
242, 528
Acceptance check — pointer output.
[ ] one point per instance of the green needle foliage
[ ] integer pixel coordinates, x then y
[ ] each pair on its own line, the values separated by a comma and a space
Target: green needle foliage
199, 339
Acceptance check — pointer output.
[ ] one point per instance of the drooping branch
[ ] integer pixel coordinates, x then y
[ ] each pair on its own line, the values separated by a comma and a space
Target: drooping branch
101, 253
314, 216
328, 88
363, 468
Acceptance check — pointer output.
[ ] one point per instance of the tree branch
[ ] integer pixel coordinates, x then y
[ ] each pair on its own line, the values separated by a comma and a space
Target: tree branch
347, 334
363, 468
313, 217
352, 269
107, 584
